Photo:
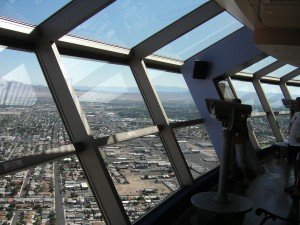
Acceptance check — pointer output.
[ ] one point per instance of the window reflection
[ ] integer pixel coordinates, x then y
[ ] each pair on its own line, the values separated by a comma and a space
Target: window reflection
108, 95
29, 119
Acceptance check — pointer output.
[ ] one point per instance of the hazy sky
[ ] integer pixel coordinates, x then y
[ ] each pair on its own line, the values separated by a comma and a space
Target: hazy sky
83, 72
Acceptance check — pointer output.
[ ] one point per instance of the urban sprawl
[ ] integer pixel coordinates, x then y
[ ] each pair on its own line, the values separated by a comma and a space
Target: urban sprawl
58, 193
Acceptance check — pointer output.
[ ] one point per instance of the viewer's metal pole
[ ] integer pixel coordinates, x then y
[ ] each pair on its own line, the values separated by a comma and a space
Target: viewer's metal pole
224, 167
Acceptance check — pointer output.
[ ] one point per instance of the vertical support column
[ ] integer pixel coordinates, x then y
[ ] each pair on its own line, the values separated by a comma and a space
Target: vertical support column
160, 119
285, 90
252, 136
270, 115
78, 129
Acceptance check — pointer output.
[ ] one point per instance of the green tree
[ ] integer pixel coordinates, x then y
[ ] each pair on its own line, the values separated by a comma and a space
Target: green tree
52, 218
9, 215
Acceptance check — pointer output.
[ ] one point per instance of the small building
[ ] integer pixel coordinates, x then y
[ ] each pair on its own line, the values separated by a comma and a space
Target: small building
84, 186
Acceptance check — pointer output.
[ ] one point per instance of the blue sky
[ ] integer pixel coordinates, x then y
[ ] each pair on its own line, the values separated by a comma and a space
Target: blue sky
125, 23
30, 11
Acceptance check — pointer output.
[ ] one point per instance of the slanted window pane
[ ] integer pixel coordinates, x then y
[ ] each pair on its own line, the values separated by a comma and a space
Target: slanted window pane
197, 149
52, 193
30, 122
174, 95
260, 125
141, 172
263, 131
128, 22
294, 91
280, 72
246, 92
201, 37
296, 78
259, 65
225, 90
283, 122
30, 11
78, 201
108, 95
274, 95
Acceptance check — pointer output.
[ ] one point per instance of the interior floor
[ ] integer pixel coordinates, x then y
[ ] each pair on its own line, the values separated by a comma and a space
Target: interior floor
266, 191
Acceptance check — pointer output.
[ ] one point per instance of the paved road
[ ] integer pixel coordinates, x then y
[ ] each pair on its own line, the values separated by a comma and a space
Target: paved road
16, 217
59, 208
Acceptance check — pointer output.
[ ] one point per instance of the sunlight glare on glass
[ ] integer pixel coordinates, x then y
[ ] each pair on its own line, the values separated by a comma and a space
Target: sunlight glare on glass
127, 22
108, 95
259, 65
89, 76
201, 37
26, 107
30, 11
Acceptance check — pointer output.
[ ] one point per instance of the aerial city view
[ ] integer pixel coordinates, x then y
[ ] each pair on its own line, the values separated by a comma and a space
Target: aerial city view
139, 168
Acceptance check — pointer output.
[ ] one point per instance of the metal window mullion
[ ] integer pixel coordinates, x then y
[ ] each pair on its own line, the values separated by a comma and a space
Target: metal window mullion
116, 138
183, 25
290, 75
270, 115
252, 135
285, 90
232, 87
69, 17
187, 123
87, 152
245, 65
29, 161
268, 69
160, 119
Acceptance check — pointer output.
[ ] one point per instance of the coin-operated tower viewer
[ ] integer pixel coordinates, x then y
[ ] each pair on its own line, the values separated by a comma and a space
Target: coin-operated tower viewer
222, 207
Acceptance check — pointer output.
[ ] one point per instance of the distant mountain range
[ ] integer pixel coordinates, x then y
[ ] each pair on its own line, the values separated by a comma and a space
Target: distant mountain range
251, 98
12, 93
132, 89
